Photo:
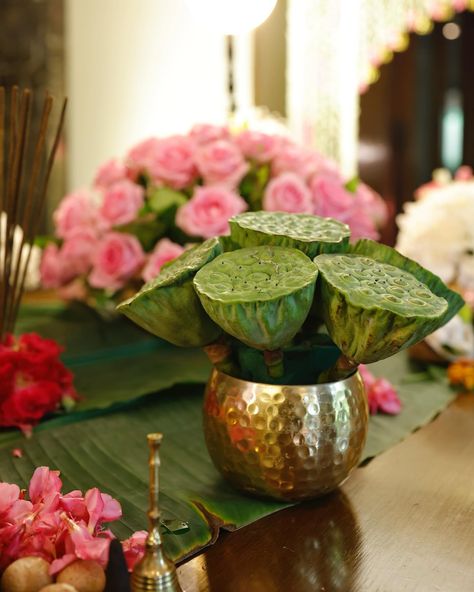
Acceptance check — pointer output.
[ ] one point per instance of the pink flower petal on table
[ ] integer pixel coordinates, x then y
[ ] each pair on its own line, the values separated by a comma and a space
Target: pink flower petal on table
381, 394
368, 378
59, 564
387, 397
134, 548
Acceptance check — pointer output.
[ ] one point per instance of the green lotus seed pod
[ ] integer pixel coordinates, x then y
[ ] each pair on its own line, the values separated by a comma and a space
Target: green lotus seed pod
311, 234
371, 309
168, 305
260, 295
385, 254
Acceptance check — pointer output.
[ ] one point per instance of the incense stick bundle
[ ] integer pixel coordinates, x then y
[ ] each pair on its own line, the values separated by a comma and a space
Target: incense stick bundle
25, 169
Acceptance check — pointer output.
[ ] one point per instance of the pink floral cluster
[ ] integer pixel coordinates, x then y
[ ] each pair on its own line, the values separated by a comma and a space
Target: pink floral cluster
217, 174
59, 528
381, 394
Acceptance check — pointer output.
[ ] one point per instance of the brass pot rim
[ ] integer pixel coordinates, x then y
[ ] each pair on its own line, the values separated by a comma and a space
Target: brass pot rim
270, 385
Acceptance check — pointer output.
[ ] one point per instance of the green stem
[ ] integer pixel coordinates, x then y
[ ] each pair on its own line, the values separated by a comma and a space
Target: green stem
274, 363
220, 355
343, 368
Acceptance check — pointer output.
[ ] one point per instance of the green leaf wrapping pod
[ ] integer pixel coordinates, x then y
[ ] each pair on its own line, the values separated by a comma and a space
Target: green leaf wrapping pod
373, 309
168, 305
259, 295
385, 254
310, 234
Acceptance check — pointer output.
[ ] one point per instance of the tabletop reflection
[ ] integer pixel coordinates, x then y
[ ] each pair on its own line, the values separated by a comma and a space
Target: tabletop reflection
312, 546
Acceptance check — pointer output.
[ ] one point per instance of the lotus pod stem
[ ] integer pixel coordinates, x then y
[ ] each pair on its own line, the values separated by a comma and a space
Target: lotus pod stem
220, 355
342, 369
274, 363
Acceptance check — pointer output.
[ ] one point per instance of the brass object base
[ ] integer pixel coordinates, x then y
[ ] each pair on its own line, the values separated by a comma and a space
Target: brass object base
168, 583
287, 443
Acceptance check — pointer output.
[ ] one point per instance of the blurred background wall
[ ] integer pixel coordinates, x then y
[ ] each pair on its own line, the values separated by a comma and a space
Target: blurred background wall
139, 68
136, 68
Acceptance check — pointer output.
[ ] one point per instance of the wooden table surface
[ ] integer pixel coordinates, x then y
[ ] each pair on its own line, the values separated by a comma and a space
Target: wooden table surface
404, 522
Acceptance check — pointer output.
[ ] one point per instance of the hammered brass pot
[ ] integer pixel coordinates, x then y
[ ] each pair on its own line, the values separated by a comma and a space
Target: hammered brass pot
287, 443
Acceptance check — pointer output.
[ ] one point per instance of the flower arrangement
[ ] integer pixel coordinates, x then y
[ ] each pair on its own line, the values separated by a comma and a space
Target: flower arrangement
436, 230
33, 381
59, 528
143, 211
256, 300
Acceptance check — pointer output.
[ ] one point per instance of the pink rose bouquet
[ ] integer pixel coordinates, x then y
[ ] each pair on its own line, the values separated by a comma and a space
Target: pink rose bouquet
167, 193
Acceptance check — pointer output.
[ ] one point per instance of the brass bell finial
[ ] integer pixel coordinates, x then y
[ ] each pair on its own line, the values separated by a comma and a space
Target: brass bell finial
155, 572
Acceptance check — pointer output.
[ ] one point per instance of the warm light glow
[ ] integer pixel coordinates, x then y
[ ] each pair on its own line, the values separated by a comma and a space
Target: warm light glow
451, 31
231, 17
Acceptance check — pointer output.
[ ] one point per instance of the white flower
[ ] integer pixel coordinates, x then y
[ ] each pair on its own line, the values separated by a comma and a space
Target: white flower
453, 340
438, 232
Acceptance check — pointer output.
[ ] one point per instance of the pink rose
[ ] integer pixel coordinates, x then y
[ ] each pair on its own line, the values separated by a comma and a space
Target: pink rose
78, 250
287, 193
51, 267
204, 133
207, 213
109, 173
76, 210
118, 257
361, 224
172, 162
75, 290
464, 173
139, 157
372, 203
121, 203
221, 163
165, 250
257, 145
331, 199
291, 158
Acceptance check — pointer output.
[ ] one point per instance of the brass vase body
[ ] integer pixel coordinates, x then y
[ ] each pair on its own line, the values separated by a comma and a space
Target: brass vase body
287, 443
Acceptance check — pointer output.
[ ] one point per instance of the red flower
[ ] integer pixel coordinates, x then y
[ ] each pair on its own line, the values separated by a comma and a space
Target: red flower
33, 380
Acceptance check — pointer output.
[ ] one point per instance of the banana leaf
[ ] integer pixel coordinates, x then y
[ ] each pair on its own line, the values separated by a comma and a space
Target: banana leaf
113, 361
110, 452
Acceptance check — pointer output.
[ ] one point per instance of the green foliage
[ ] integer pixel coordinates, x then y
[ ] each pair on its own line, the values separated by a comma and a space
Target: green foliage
147, 229
165, 200
253, 184
352, 184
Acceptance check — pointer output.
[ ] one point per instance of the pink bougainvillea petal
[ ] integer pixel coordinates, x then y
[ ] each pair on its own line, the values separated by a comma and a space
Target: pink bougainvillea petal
381, 395
43, 483
134, 548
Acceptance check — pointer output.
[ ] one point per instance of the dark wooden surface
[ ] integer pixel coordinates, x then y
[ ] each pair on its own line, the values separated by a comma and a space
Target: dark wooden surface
403, 523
